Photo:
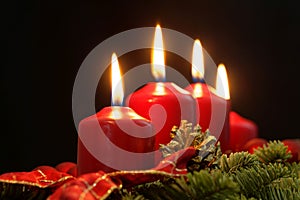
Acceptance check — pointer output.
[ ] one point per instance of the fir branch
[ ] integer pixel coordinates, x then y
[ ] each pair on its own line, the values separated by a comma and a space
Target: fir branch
124, 194
237, 161
154, 190
259, 178
278, 193
130, 196
295, 169
243, 197
204, 185
274, 151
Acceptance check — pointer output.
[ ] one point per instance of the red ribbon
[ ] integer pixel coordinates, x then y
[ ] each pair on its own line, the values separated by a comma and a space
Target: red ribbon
63, 182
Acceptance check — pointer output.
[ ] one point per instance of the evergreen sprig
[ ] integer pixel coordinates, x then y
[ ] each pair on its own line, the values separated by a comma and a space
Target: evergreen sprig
295, 169
130, 196
237, 161
274, 151
257, 179
278, 194
204, 184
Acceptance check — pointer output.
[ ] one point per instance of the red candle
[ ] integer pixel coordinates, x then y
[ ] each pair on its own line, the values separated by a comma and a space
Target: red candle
115, 138
213, 104
165, 103
213, 112
200, 90
242, 130
221, 107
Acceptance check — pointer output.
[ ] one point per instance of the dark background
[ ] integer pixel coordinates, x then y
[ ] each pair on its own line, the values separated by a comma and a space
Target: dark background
45, 43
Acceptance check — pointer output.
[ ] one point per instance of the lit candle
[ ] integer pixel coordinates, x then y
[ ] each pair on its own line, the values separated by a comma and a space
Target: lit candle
213, 104
242, 130
114, 138
199, 89
165, 103
220, 114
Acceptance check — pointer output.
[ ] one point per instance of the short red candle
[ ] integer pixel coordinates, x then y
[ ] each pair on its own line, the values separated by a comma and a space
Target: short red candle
115, 138
113, 141
166, 104
241, 131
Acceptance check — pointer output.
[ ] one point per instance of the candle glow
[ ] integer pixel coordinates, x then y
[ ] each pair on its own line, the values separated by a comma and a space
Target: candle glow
158, 57
222, 85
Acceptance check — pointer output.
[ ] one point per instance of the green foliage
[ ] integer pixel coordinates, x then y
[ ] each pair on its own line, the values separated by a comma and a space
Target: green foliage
278, 194
130, 196
295, 169
154, 190
205, 185
237, 161
125, 195
198, 185
274, 151
255, 181
17, 191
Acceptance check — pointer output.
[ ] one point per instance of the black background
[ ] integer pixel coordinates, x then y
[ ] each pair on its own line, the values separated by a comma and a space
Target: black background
45, 43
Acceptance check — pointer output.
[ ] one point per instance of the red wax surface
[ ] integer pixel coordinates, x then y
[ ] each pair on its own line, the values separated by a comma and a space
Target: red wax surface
242, 130
165, 104
119, 143
213, 112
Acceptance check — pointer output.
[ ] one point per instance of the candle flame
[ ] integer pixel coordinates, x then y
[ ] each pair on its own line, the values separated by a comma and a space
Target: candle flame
222, 84
197, 62
158, 56
116, 81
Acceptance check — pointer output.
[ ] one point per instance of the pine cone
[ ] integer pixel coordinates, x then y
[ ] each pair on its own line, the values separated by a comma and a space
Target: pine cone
208, 150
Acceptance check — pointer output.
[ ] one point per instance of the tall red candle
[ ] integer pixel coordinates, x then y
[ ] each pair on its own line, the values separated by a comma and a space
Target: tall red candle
115, 138
242, 130
165, 103
213, 105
